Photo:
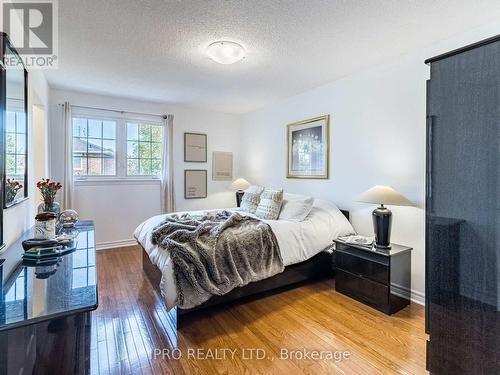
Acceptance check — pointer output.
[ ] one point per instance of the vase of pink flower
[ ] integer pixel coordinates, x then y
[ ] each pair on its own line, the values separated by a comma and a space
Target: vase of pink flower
11, 188
48, 190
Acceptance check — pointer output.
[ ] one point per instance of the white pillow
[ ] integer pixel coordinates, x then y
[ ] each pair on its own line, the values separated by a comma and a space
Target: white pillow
295, 207
340, 226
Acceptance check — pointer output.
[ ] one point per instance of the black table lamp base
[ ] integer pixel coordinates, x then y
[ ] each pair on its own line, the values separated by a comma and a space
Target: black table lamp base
239, 195
382, 222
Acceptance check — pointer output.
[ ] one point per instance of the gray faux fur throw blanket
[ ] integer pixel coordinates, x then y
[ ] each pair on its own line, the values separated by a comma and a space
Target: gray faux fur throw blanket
217, 252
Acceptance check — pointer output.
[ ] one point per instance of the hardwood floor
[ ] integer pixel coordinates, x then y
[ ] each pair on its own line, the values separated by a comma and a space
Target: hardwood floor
131, 322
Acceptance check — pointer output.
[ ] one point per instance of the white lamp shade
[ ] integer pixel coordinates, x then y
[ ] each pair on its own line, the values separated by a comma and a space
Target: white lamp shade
381, 194
239, 184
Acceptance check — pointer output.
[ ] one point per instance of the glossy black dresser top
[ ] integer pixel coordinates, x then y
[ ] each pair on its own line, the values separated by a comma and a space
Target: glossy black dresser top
66, 286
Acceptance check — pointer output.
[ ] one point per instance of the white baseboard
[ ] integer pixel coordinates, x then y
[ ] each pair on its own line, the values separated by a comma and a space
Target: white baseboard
113, 244
418, 297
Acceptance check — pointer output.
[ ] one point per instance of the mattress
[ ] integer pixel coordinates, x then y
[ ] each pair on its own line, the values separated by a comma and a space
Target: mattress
298, 241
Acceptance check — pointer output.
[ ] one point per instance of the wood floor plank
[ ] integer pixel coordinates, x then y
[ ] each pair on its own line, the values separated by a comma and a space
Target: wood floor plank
132, 322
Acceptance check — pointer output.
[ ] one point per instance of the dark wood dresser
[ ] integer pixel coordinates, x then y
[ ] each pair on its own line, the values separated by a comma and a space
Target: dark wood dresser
45, 310
378, 278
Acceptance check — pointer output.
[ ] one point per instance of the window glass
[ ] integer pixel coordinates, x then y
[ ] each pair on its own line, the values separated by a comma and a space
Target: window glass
144, 149
94, 147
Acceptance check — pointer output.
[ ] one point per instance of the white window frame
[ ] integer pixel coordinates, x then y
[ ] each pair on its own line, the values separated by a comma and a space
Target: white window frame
121, 143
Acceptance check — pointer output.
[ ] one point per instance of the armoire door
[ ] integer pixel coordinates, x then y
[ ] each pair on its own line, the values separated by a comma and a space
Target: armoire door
462, 213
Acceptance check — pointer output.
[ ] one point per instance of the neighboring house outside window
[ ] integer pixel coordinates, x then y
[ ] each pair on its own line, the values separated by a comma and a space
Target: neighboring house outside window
106, 147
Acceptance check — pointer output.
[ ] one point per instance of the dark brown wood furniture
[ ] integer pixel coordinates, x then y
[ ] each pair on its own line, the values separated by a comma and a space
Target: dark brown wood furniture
379, 278
311, 269
45, 311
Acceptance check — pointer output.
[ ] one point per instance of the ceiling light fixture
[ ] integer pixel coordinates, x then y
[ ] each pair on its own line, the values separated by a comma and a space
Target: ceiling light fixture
225, 52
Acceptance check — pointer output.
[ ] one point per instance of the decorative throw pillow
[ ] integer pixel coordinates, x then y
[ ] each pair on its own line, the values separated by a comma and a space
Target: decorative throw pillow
270, 204
251, 199
250, 202
295, 207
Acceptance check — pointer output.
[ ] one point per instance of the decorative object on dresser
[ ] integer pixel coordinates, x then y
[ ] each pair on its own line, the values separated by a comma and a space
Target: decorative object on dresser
195, 183
48, 190
195, 147
308, 148
45, 315
222, 166
68, 218
382, 216
45, 226
379, 278
240, 184
14, 129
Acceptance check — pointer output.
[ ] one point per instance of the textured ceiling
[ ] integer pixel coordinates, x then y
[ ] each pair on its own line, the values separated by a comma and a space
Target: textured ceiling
154, 49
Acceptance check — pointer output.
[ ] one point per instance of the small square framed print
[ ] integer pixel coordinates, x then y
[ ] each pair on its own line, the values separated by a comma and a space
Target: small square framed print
222, 166
195, 147
195, 183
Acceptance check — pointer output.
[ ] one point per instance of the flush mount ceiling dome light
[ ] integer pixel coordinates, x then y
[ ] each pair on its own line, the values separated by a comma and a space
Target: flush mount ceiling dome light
225, 52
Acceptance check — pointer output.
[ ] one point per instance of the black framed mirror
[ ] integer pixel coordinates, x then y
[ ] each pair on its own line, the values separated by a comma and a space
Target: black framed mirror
15, 118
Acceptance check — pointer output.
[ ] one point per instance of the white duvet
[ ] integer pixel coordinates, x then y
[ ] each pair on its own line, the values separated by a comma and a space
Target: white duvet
298, 241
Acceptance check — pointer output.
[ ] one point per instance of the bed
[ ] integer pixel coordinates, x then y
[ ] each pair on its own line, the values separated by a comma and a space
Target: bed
302, 245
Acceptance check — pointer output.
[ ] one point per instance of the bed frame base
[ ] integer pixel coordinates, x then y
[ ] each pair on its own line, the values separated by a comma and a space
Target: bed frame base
317, 267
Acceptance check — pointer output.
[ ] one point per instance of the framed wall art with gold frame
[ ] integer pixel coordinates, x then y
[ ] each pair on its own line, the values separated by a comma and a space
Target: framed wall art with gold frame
308, 147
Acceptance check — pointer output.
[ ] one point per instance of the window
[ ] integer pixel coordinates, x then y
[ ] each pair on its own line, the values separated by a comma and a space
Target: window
119, 147
144, 150
94, 147
15, 160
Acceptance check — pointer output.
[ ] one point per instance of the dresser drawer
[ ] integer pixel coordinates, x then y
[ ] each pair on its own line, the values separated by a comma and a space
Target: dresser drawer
361, 289
364, 266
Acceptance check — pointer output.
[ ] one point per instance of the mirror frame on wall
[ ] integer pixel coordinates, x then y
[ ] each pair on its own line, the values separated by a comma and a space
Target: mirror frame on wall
3, 36
7, 44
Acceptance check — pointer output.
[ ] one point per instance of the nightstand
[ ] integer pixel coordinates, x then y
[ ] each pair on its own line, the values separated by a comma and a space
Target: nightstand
378, 278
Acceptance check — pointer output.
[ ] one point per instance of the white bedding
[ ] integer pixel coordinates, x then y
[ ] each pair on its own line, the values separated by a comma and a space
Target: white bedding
298, 241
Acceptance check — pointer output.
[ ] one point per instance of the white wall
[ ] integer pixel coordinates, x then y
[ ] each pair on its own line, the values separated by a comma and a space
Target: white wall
119, 207
377, 136
19, 218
